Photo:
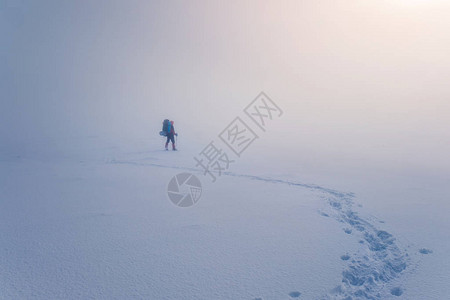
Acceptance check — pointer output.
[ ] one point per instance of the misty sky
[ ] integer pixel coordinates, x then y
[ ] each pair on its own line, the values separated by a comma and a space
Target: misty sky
366, 77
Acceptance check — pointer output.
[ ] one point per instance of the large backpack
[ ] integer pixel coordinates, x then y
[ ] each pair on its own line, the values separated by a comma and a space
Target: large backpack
166, 126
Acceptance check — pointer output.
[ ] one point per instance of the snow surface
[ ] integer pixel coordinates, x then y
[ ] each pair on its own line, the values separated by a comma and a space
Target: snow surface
345, 196
95, 223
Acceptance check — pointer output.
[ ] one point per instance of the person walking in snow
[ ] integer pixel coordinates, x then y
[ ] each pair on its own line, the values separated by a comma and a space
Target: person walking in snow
169, 129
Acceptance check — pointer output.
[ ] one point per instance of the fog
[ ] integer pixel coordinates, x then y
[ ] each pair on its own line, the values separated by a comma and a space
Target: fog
360, 82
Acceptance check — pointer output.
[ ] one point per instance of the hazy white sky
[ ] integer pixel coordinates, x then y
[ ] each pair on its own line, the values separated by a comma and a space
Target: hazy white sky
371, 76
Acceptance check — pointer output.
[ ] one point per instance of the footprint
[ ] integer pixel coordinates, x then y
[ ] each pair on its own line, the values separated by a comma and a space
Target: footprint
258, 299
360, 228
347, 231
345, 257
396, 291
425, 251
336, 205
294, 294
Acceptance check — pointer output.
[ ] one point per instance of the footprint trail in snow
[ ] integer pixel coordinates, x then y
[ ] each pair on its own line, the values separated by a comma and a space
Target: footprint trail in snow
372, 268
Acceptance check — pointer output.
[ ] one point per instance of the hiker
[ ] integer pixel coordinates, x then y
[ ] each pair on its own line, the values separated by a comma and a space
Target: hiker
170, 133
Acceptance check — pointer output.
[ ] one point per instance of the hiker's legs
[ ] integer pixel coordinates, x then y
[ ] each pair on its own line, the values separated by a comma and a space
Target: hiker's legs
170, 138
167, 141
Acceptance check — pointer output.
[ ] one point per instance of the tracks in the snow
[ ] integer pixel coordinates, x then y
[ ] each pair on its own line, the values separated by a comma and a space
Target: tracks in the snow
371, 270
